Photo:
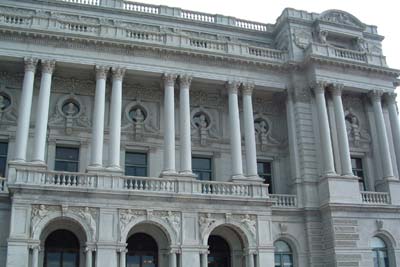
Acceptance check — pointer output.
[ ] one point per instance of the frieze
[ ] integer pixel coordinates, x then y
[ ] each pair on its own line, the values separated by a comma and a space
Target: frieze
71, 85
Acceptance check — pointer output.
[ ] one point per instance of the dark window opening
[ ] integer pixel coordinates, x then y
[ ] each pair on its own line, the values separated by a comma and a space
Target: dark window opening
67, 159
142, 251
202, 168
357, 168
61, 249
264, 169
135, 164
220, 254
3, 158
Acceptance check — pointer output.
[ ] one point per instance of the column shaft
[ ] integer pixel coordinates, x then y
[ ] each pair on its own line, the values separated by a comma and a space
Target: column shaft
89, 255
98, 117
24, 110
387, 167
325, 134
172, 259
344, 149
185, 136
395, 125
204, 260
249, 135
122, 259
250, 260
35, 257
234, 129
115, 117
42, 113
169, 125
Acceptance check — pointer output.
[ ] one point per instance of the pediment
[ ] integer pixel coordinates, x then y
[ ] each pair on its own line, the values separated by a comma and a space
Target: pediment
341, 17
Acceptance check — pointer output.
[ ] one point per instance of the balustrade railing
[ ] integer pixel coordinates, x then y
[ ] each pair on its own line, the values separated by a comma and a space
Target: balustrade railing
75, 27
186, 14
15, 20
249, 25
375, 197
266, 53
207, 44
145, 36
349, 54
284, 201
139, 7
138, 184
84, 2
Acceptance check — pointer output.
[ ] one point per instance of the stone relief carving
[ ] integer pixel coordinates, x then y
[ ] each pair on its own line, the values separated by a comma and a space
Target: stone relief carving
71, 111
140, 118
71, 85
262, 128
140, 92
205, 222
283, 227
203, 126
174, 220
7, 107
127, 216
379, 224
38, 214
322, 35
249, 223
206, 99
87, 214
355, 132
341, 17
301, 38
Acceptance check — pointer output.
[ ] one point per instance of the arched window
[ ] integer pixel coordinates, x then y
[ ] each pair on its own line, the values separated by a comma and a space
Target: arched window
61, 249
380, 253
220, 253
142, 251
283, 254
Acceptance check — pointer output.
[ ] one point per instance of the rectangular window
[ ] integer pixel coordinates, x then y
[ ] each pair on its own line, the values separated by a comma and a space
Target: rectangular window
202, 167
135, 164
3, 158
357, 167
67, 159
264, 169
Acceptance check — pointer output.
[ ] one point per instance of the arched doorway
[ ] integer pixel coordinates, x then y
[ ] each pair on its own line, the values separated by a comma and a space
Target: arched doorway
219, 252
142, 251
61, 249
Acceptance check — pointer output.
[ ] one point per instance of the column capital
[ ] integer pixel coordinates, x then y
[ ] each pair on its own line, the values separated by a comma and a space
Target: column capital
118, 73
185, 81
375, 95
30, 63
247, 88
35, 246
336, 89
89, 249
232, 86
101, 72
318, 87
390, 97
122, 250
169, 79
48, 65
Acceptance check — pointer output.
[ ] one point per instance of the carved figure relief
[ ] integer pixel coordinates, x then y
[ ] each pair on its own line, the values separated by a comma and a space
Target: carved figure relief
355, 133
301, 38
249, 223
174, 221
38, 214
72, 112
86, 214
7, 110
140, 119
263, 133
341, 17
125, 217
202, 126
205, 222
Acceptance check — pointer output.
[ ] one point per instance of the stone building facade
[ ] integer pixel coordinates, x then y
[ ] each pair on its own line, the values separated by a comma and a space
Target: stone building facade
140, 135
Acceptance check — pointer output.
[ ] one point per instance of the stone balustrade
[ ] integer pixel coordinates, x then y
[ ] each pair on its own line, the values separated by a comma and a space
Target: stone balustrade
284, 201
79, 181
375, 197
139, 7
84, 2
186, 14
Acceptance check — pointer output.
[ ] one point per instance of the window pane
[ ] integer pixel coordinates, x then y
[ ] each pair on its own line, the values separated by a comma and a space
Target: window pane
53, 259
201, 163
130, 171
67, 159
148, 261
3, 149
135, 158
3, 162
205, 176
277, 260
69, 259
67, 153
133, 261
140, 171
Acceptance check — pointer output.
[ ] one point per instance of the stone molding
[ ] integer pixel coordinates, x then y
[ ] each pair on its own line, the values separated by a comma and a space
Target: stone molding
48, 65
185, 81
232, 87
169, 79
118, 73
101, 72
30, 64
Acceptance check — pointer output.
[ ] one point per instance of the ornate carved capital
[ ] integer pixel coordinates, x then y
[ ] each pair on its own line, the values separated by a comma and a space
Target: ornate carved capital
118, 73
30, 63
185, 81
48, 66
336, 89
375, 95
169, 79
247, 88
101, 72
232, 87
319, 87
390, 97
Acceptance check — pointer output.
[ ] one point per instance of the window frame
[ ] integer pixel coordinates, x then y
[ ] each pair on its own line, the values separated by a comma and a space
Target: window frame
282, 254
376, 253
5, 156
211, 171
361, 180
271, 185
65, 160
145, 153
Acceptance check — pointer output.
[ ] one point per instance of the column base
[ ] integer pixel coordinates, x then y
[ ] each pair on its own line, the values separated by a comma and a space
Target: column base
95, 169
114, 170
168, 174
28, 164
187, 175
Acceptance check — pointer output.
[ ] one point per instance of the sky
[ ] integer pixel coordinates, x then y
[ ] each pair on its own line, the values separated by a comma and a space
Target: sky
382, 13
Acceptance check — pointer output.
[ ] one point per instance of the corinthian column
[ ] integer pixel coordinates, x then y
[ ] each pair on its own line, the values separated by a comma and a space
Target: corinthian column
387, 167
234, 129
324, 130
169, 125
98, 117
42, 113
185, 137
249, 135
344, 149
24, 109
115, 117
395, 125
